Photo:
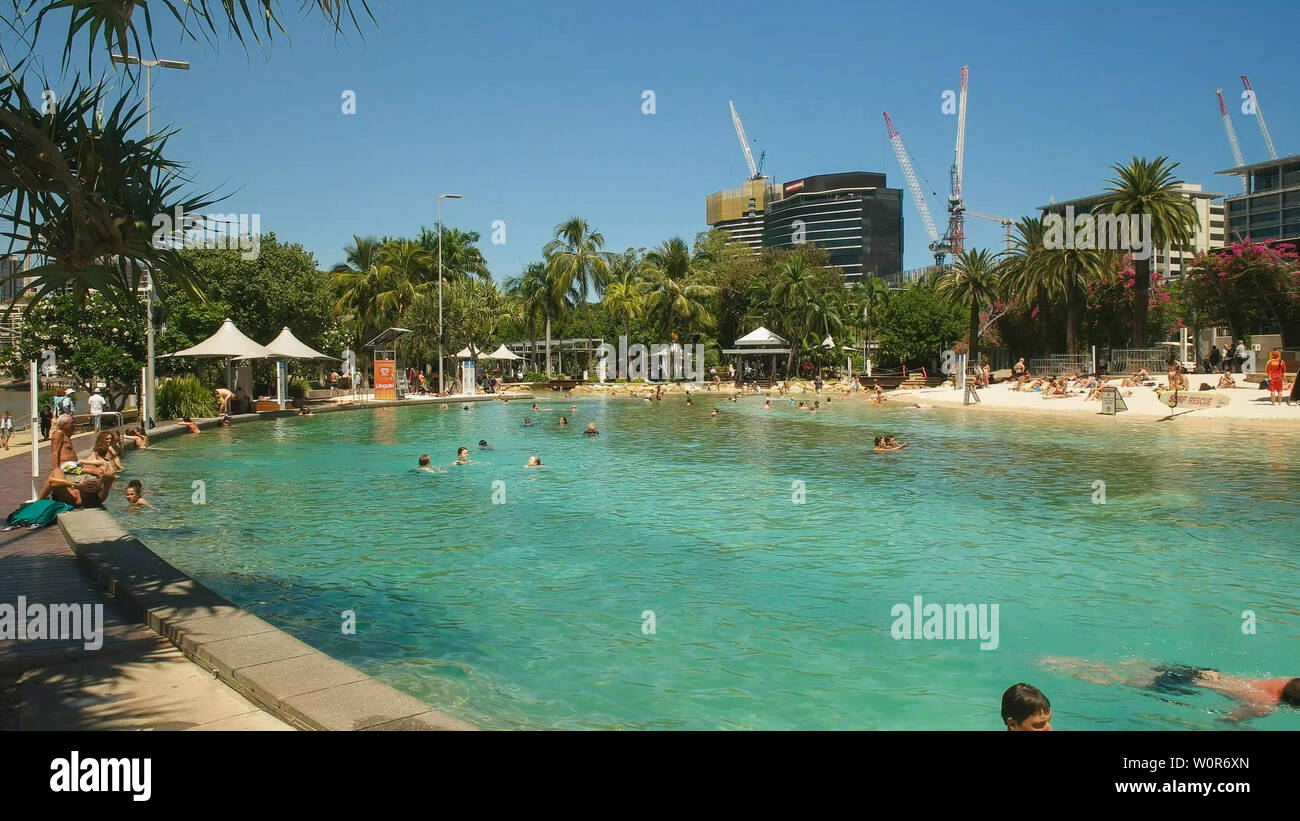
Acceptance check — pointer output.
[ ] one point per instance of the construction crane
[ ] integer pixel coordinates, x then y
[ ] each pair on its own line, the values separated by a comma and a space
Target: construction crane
1006, 224
755, 172
936, 244
1232, 137
955, 239
1259, 115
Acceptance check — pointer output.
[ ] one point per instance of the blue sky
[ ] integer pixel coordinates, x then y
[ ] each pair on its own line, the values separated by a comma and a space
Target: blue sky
534, 111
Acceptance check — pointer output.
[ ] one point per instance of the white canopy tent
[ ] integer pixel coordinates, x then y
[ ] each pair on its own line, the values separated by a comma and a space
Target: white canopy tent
502, 352
284, 347
228, 343
759, 342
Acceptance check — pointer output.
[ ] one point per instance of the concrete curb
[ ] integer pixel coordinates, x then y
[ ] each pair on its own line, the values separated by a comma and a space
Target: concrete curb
289, 679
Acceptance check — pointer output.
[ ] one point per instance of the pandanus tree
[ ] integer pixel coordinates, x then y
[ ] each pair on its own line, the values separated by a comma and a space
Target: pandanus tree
77, 193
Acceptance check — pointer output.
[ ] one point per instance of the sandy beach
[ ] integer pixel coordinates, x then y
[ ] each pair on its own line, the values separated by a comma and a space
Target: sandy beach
1248, 402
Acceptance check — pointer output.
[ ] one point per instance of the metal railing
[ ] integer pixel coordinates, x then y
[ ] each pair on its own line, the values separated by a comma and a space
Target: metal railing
1060, 364
1129, 360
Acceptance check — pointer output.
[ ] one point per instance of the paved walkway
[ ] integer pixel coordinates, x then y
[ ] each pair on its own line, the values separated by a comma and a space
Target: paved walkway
136, 680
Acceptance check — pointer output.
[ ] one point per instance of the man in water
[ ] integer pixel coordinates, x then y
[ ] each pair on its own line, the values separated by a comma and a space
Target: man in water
1025, 708
462, 457
534, 462
527, 422
483, 445
1255, 697
591, 430
426, 465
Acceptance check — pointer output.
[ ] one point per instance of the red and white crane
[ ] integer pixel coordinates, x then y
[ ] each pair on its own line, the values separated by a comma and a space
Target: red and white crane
1232, 137
1259, 115
905, 162
956, 236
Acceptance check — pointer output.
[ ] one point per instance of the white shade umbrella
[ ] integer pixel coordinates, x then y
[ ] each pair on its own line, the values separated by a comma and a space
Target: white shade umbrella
228, 341
288, 346
503, 353
471, 351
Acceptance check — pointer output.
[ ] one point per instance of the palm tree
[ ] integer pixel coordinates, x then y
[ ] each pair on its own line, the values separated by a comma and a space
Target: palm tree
1074, 269
676, 287
625, 294
1148, 188
800, 303
972, 282
460, 257
535, 301
576, 262
867, 298
356, 282
1028, 276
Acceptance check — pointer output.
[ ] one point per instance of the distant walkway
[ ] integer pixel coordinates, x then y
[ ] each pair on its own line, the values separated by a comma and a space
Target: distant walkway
136, 680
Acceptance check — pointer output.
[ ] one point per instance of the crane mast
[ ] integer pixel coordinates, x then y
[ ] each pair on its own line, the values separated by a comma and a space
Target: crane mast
955, 238
909, 174
1232, 137
1259, 115
744, 142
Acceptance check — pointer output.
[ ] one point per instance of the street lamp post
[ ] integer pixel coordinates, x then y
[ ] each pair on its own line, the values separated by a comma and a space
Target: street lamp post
441, 197
147, 398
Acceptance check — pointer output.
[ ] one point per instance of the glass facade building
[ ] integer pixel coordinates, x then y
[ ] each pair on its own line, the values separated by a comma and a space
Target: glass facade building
1270, 210
854, 216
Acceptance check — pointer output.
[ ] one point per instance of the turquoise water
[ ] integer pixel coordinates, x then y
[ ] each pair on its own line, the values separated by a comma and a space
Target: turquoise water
768, 613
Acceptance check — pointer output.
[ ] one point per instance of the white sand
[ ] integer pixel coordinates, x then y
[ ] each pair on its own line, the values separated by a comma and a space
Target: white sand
1244, 403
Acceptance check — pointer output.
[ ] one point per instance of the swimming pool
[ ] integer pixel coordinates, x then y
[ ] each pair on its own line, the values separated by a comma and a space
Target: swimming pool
772, 601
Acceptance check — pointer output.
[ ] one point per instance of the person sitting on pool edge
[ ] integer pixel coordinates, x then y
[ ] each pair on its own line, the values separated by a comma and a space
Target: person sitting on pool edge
591, 430
462, 457
1026, 709
90, 491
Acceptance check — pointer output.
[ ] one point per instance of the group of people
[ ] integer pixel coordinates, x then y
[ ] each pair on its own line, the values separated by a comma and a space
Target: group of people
86, 481
1025, 708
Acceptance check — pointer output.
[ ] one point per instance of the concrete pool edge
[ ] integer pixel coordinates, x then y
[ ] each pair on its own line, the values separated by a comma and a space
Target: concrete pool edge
287, 678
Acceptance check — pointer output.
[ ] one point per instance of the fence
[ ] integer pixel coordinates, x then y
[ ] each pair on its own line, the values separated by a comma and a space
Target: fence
1060, 364
1128, 360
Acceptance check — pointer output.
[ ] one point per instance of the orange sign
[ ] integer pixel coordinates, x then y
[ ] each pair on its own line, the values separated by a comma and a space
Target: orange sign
385, 379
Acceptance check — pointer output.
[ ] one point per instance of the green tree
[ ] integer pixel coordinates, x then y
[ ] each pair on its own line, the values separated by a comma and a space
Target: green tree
973, 283
917, 324
576, 262
1148, 188
677, 288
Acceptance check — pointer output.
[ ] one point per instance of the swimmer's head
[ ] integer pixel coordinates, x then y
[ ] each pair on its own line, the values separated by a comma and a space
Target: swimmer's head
1025, 708
424, 460
527, 421
462, 453
879, 439
1291, 693
482, 443
534, 461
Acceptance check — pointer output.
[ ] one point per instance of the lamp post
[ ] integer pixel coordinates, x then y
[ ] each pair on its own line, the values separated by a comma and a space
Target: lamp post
146, 396
441, 197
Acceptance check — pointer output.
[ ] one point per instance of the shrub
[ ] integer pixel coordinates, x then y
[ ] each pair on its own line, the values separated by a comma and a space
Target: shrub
44, 399
183, 396
534, 376
298, 388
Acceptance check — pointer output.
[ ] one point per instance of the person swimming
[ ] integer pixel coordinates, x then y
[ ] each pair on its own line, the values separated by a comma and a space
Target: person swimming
462, 457
1025, 708
1255, 697
534, 462
527, 422
713, 413
426, 465
563, 421
135, 495
482, 443
591, 430
887, 444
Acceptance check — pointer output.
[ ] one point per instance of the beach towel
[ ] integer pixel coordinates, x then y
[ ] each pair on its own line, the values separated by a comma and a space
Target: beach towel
36, 514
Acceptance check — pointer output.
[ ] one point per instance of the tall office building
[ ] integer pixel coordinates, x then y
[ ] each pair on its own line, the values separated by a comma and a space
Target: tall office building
854, 216
739, 211
1270, 209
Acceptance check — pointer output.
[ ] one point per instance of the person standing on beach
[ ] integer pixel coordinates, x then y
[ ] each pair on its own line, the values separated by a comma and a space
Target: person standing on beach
1239, 356
47, 419
6, 430
1275, 370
